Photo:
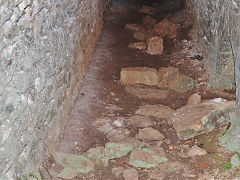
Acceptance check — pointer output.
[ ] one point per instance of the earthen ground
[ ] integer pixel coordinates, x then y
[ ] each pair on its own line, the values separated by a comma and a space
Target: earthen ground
103, 95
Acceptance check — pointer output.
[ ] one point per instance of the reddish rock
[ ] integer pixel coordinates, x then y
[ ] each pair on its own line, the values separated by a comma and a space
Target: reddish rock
147, 10
194, 99
139, 75
166, 28
142, 36
149, 21
155, 46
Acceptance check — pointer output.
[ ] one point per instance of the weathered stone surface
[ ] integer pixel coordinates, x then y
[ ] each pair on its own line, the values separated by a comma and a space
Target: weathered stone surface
117, 150
139, 75
157, 174
147, 93
103, 125
235, 160
193, 33
196, 151
118, 134
44, 51
79, 163
155, 46
194, 99
130, 174
67, 173
142, 35
190, 121
138, 45
134, 27
95, 153
168, 73
146, 10
182, 84
140, 121
158, 111
166, 28
146, 158
117, 171
150, 134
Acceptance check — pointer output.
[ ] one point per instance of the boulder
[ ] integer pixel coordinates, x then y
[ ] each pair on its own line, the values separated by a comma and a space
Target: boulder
138, 45
190, 121
182, 84
146, 158
158, 111
147, 93
166, 28
155, 46
150, 134
140, 121
139, 75
134, 27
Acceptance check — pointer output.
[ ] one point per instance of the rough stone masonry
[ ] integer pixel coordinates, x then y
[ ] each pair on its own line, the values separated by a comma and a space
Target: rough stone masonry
44, 50
218, 24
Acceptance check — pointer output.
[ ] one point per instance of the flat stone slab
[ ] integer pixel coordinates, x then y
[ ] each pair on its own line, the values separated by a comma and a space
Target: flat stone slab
150, 134
140, 121
190, 121
146, 158
138, 45
158, 111
147, 93
139, 75
155, 46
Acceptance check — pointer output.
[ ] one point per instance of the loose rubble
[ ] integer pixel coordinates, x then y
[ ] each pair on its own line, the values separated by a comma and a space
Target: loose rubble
140, 121
150, 134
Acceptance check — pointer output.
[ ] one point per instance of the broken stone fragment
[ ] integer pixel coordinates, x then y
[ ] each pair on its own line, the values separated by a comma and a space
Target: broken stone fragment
117, 150
168, 73
103, 125
190, 121
150, 134
130, 174
117, 171
196, 151
194, 99
95, 153
138, 45
79, 163
142, 36
67, 173
159, 111
147, 93
134, 27
147, 10
146, 158
182, 84
139, 75
118, 134
155, 46
140, 121
166, 28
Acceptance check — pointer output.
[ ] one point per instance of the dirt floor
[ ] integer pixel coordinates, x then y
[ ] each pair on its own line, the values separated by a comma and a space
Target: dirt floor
103, 95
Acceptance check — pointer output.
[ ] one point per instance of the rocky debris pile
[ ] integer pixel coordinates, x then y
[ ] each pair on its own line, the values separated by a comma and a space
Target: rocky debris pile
192, 120
163, 78
150, 33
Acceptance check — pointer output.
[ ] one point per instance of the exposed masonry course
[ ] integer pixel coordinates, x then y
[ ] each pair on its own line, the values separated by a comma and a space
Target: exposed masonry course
44, 50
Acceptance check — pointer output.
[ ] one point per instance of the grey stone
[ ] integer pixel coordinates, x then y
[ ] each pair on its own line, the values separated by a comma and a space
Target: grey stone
130, 174
150, 134
140, 121
146, 158
117, 171
157, 111
190, 121
235, 160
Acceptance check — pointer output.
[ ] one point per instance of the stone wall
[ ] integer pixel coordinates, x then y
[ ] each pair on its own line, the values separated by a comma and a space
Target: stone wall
44, 50
214, 21
218, 24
